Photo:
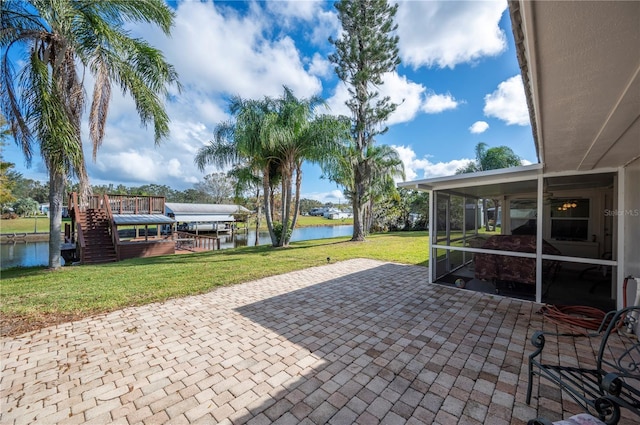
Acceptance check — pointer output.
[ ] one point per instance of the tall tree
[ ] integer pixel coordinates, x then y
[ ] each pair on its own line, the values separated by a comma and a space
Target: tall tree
218, 186
276, 136
366, 50
240, 142
297, 133
7, 176
384, 165
248, 181
57, 42
490, 159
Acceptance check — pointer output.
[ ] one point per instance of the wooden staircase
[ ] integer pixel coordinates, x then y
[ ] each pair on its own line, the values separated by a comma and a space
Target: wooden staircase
99, 246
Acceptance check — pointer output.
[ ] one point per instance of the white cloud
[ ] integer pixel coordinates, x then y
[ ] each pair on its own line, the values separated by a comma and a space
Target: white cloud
133, 165
336, 103
410, 97
320, 66
334, 196
304, 10
449, 33
217, 53
479, 127
423, 168
407, 94
216, 50
508, 103
326, 25
436, 103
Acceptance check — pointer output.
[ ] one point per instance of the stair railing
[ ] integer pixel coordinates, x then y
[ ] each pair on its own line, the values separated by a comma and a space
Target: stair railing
74, 206
115, 237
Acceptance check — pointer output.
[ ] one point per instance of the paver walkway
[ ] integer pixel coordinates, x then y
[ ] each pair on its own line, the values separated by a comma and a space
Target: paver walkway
359, 341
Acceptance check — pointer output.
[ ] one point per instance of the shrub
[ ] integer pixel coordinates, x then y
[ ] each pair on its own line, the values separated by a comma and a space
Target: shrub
277, 229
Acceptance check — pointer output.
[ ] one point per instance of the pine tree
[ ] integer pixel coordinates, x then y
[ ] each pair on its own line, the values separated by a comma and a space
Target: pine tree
366, 50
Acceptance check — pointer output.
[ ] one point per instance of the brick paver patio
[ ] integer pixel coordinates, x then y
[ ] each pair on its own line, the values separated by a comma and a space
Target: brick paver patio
359, 341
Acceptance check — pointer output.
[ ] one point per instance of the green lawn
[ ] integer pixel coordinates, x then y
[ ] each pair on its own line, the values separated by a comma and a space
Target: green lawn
34, 297
309, 220
41, 224
28, 225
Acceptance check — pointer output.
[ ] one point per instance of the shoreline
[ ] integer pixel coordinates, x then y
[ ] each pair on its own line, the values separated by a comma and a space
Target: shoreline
24, 237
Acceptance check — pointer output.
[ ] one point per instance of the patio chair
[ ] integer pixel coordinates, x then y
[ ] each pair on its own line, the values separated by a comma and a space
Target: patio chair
611, 382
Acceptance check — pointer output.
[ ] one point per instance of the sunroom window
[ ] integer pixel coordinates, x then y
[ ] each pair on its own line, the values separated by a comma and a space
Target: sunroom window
570, 219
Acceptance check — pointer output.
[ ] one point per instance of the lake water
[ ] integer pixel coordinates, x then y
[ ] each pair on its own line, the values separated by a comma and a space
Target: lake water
28, 254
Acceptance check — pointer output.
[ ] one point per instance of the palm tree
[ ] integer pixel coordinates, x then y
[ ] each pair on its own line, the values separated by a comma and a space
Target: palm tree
43, 101
275, 136
382, 165
490, 159
299, 133
248, 180
242, 143
386, 166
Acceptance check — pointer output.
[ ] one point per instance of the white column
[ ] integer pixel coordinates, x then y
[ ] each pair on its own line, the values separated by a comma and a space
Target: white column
432, 234
539, 219
619, 222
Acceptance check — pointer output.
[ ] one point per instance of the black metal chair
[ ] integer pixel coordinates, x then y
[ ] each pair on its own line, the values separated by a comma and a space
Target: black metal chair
614, 382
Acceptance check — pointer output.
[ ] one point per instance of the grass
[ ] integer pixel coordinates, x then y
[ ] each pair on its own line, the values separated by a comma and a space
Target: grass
28, 225
309, 220
35, 297
41, 223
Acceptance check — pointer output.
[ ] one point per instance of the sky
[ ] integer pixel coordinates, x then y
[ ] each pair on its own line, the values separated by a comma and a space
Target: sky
458, 85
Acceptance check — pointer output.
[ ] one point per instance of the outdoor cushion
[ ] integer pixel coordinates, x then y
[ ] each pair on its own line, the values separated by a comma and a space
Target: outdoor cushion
513, 269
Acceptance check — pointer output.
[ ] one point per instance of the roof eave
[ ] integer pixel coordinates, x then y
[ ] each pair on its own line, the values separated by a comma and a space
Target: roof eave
516, 12
481, 177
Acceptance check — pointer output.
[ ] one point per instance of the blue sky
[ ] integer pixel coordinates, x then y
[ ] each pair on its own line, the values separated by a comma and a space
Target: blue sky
459, 84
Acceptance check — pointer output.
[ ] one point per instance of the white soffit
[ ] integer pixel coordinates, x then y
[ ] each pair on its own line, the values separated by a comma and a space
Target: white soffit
484, 184
584, 66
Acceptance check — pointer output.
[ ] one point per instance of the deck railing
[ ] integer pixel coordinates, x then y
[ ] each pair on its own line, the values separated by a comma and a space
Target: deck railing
120, 204
78, 237
115, 237
125, 204
189, 240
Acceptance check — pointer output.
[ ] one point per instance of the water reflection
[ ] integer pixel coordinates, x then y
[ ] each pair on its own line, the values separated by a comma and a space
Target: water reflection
24, 254
301, 234
28, 254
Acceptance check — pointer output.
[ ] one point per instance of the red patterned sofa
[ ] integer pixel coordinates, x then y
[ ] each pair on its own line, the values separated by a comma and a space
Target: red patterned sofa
501, 268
